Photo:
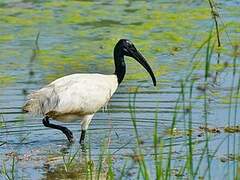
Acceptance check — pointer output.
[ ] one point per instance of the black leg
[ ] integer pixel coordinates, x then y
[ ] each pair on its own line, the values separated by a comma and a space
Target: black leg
65, 130
82, 137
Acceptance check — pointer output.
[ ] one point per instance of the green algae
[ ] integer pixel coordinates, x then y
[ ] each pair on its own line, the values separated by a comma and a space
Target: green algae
6, 80
76, 35
6, 38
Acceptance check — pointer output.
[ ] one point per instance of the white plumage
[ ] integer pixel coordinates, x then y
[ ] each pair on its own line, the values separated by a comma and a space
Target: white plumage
80, 96
72, 97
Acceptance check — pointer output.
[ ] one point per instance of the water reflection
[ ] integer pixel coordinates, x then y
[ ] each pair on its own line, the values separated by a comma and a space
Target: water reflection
72, 165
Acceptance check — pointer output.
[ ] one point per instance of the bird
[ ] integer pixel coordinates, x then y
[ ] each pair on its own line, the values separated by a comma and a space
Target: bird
79, 96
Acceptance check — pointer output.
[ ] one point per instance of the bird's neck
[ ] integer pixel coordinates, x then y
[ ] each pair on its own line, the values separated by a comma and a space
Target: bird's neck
120, 66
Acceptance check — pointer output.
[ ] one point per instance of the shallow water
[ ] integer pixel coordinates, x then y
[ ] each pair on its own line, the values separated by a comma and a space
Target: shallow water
79, 36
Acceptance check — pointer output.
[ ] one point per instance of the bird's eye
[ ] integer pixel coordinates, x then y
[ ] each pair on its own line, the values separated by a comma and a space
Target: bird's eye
129, 44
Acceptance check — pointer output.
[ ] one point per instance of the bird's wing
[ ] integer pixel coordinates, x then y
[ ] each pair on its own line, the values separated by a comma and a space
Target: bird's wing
74, 94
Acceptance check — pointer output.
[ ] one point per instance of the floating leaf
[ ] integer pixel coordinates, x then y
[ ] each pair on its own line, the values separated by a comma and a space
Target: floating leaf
232, 129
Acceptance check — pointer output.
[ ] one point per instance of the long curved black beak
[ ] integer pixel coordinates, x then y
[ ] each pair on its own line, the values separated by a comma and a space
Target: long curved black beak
134, 53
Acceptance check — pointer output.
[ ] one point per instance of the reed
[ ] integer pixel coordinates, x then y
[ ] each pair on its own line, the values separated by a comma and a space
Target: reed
8, 173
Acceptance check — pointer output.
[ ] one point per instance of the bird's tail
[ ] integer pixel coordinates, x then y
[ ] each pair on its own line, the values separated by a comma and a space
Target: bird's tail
41, 102
32, 106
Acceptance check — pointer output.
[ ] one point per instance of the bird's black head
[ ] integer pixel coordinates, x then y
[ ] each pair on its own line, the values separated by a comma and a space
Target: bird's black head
127, 48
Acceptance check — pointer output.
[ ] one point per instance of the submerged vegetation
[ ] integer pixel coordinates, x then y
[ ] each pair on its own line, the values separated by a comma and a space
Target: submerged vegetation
186, 128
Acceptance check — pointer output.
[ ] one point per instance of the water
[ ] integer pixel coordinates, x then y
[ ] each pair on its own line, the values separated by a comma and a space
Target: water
79, 36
